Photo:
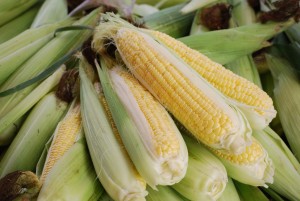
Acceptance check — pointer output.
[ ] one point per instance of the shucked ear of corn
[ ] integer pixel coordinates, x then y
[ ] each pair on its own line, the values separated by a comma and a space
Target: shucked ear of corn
200, 107
149, 134
113, 166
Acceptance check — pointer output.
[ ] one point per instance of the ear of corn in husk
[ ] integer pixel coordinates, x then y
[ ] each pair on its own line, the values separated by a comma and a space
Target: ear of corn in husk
19, 185
249, 193
51, 11
164, 193
55, 49
21, 47
18, 25
287, 168
156, 68
11, 9
34, 133
170, 21
206, 176
196, 4
248, 97
224, 50
72, 177
65, 135
150, 136
287, 85
30, 100
230, 192
112, 164
253, 166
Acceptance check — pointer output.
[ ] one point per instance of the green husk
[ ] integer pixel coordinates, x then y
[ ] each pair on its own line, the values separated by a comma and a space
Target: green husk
287, 168
10, 10
51, 11
206, 176
18, 24
20, 48
114, 168
250, 193
24, 151
170, 21
287, 97
55, 49
230, 193
235, 42
30, 100
73, 177
164, 193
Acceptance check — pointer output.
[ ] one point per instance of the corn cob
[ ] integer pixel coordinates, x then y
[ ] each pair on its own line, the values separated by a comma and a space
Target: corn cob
161, 157
254, 102
230, 192
183, 92
252, 167
30, 100
73, 177
206, 176
55, 49
34, 133
18, 25
51, 11
120, 183
65, 136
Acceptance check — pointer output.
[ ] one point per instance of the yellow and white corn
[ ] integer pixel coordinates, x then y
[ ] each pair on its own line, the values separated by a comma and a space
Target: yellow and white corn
113, 167
252, 167
65, 135
149, 134
202, 109
248, 97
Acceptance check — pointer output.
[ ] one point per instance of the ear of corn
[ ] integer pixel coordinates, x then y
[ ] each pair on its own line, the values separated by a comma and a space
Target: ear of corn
183, 92
249, 193
30, 100
8, 134
149, 134
206, 176
14, 55
34, 133
287, 168
230, 192
254, 102
18, 25
64, 137
164, 193
287, 85
252, 167
73, 177
170, 21
114, 168
51, 11
55, 49
10, 10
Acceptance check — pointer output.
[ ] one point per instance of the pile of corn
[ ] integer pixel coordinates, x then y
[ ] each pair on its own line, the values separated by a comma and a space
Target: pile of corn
147, 100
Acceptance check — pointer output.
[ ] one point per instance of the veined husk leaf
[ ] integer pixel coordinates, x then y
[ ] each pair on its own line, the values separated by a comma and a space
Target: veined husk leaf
230, 192
206, 176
